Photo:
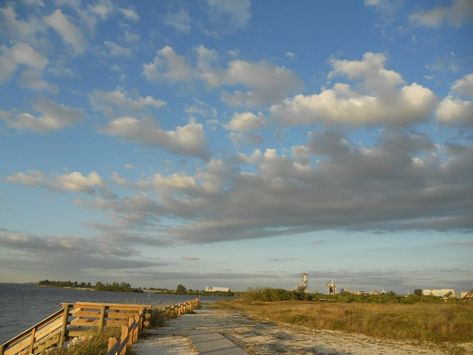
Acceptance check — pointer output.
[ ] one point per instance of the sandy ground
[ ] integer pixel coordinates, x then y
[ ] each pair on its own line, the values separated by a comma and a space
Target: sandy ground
257, 337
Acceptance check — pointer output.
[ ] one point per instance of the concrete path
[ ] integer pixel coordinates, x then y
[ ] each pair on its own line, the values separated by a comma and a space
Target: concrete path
215, 344
198, 333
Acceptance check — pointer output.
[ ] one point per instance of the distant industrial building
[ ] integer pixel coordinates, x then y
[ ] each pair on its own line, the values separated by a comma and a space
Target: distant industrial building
442, 292
217, 289
303, 285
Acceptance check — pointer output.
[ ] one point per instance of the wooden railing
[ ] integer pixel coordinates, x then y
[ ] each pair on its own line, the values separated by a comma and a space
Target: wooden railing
129, 334
81, 319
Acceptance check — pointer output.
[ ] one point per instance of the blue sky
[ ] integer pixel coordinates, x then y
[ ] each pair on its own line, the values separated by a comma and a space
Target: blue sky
237, 143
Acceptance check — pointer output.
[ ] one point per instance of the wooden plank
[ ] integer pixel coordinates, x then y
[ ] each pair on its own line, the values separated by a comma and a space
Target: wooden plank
123, 305
48, 343
115, 323
85, 314
124, 315
85, 322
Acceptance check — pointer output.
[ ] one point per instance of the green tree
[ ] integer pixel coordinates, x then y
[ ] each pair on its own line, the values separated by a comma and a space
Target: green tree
181, 289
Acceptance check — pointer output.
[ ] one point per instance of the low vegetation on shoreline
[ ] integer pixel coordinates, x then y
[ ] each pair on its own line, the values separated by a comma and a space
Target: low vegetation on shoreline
424, 320
279, 294
98, 286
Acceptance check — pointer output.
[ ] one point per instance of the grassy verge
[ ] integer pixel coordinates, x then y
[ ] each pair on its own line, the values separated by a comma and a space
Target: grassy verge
423, 322
95, 345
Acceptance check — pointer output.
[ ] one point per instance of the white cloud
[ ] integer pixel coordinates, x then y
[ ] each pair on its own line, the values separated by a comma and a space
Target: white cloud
180, 21
19, 54
452, 110
73, 181
169, 66
235, 13
245, 121
32, 178
456, 14
114, 103
115, 50
33, 79
130, 14
189, 139
175, 181
265, 82
52, 117
457, 107
382, 97
69, 33
24, 29
464, 85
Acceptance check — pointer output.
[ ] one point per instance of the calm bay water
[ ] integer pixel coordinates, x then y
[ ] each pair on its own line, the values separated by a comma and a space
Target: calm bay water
22, 305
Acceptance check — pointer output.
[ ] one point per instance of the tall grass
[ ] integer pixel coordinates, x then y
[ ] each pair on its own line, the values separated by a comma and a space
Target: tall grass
421, 322
95, 344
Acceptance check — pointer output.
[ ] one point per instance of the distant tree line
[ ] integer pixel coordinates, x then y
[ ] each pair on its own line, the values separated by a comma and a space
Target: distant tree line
279, 294
183, 290
98, 286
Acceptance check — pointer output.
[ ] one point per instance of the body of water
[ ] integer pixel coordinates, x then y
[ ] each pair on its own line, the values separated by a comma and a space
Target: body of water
23, 305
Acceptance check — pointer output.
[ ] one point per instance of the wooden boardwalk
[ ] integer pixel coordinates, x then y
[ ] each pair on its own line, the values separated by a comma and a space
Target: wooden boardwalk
198, 333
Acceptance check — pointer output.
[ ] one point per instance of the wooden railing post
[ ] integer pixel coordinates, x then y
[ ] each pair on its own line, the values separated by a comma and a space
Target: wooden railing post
111, 343
130, 335
65, 317
123, 337
137, 328
33, 334
102, 317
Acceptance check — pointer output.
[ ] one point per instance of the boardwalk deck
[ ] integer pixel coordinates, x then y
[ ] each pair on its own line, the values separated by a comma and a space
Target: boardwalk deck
198, 333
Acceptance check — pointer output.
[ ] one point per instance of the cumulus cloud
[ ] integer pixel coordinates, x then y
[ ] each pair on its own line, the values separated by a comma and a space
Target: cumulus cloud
73, 181
51, 117
167, 65
381, 96
17, 55
265, 82
245, 121
403, 181
188, 139
69, 33
459, 12
118, 102
457, 107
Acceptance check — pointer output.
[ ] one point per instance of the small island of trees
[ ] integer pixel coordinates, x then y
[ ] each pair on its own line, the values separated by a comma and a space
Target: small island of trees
98, 286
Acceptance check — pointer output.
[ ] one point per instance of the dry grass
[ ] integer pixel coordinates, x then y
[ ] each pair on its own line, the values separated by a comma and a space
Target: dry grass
95, 345
436, 323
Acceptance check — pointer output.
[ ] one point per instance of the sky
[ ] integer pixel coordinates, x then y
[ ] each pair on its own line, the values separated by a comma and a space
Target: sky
237, 143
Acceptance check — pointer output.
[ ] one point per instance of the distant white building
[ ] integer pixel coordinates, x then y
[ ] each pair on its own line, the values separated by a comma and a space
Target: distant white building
217, 289
442, 292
